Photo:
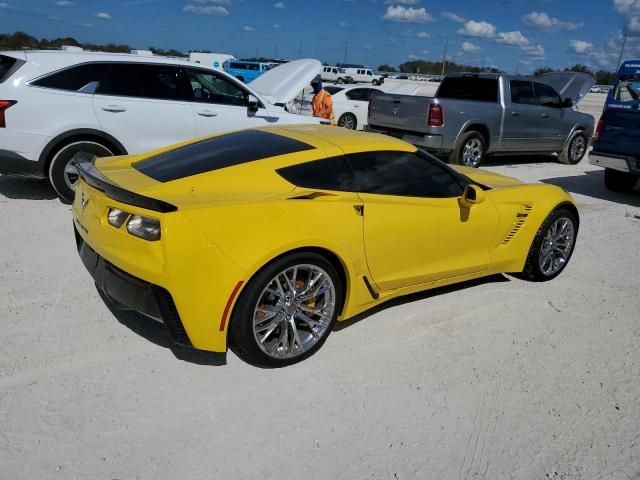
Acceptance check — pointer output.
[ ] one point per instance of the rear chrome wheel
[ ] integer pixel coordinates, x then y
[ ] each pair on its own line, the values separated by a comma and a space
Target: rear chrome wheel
286, 311
348, 121
575, 150
472, 152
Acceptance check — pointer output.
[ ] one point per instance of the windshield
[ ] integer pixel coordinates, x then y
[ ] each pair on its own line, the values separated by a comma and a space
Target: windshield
627, 88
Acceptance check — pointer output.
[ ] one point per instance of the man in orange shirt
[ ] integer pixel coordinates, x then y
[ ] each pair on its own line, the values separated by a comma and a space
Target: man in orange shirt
322, 103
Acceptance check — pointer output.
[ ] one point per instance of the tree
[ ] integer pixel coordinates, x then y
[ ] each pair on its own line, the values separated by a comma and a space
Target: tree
578, 67
542, 70
387, 68
605, 78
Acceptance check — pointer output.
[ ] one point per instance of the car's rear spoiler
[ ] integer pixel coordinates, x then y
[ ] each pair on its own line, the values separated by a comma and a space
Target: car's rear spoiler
91, 175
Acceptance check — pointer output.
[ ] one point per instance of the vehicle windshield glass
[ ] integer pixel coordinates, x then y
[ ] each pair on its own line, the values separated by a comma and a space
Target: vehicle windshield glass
627, 88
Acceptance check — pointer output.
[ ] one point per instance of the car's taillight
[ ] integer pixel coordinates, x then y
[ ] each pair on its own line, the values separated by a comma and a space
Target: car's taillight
598, 133
4, 104
436, 116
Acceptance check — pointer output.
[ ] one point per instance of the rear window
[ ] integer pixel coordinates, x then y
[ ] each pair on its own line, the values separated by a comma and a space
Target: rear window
333, 90
81, 78
219, 152
469, 88
8, 65
627, 88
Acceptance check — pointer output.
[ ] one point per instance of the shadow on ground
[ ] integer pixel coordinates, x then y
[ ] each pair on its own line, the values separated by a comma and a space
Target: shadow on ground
23, 188
591, 184
516, 160
158, 334
499, 278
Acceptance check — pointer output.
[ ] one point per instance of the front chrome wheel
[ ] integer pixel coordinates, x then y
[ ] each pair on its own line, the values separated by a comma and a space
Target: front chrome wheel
472, 152
348, 121
557, 246
294, 311
577, 149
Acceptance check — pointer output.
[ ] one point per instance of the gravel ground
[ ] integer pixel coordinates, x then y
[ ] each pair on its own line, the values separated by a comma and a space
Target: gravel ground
493, 379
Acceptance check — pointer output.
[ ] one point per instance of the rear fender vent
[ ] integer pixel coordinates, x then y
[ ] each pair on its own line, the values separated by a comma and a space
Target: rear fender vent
518, 222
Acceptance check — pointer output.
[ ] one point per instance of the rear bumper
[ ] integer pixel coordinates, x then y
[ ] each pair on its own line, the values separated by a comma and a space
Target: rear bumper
12, 163
429, 142
621, 163
132, 293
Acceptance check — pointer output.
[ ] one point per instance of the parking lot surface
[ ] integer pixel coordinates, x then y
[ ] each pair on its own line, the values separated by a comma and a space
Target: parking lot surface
493, 379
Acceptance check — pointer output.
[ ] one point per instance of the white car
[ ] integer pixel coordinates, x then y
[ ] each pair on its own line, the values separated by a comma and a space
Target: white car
364, 75
55, 104
335, 75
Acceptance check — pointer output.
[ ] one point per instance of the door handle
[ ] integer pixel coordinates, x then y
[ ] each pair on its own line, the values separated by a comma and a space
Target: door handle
114, 108
207, 113
515, 114
545, 115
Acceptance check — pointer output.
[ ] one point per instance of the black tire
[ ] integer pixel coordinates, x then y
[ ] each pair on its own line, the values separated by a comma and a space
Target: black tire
532, 269
375, 82
242, 339
457, 157
622, 182
348, 121
62, 156
340, 81
576, 149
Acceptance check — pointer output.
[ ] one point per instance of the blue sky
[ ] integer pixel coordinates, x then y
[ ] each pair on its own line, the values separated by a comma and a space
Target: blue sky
501, 33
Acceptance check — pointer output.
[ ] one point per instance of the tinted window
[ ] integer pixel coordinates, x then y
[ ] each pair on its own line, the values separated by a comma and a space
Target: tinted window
522, 92
547, 96
218, 152
145, 80
327, 174
469, 88
8, 65
404, 174
358, 94
211, 88
627, 88
333, 90
81, 78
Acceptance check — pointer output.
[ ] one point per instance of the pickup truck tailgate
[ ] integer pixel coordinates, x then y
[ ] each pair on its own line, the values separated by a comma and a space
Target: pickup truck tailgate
400, 112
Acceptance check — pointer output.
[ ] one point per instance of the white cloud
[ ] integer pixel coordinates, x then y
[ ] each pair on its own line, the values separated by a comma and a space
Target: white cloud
453, 17
248, 28
279, 6
217, 11
627, 6
634, 24
88, 25
407, 15
543, 21
581, 47
65, 3
512, 38
343, 23
424, 34
217, 2
535, 52
479, 29
5, 5
104, 16
276, 25
468, 47
413, 57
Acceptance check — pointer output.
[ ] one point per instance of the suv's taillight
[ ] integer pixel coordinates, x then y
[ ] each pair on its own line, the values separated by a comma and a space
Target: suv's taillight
599, 128
436, 116
4, 104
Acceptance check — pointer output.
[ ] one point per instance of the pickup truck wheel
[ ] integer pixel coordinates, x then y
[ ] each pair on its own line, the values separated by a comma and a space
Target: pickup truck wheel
348, 121
470, 150
617, 181
376, 82
576, 148
340, 81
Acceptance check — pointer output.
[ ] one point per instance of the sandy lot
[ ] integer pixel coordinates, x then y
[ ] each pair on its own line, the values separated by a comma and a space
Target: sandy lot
498, 379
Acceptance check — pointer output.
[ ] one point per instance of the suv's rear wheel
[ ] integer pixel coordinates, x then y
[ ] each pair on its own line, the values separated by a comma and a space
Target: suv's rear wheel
617, 181
576, 148
63, 173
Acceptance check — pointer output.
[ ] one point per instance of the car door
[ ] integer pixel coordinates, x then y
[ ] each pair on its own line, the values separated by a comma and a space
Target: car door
524, 129
555, 122
144, 105
415, 230
219, 104
358, 99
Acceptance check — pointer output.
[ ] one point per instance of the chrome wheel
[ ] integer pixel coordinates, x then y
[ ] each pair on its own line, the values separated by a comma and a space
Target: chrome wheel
348, 121
472, 152
578, 148
71, 175
294, 311
556, 247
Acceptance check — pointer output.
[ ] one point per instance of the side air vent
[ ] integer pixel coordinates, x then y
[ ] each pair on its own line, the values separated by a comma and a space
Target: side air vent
518, 222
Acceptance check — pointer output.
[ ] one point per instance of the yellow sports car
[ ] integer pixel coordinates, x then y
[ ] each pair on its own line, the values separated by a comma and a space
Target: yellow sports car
262, 239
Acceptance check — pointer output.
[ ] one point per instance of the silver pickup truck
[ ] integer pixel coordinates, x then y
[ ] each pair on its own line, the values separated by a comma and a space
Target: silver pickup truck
475, 115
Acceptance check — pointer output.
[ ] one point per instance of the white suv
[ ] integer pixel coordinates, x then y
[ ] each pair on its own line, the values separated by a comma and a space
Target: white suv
54, 104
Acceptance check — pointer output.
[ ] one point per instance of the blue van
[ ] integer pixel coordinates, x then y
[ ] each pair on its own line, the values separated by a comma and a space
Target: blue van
246, 71
616, 142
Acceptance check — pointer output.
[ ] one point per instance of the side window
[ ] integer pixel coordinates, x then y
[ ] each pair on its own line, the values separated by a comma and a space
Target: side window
81, 78
404, 174
326, 174
358, 95
547, 96
627, 88
209, 87
163, 82
522, 92
375, 93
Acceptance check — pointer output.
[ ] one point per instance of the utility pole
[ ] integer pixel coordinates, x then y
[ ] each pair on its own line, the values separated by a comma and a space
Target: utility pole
346, 50
444, 58
624, 42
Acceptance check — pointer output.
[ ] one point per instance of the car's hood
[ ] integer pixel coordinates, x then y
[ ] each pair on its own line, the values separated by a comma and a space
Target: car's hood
282, 83
573, 85
487, 178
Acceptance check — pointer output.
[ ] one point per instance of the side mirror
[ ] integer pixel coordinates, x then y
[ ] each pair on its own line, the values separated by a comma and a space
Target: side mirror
253, 105
567, 103
472, 195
